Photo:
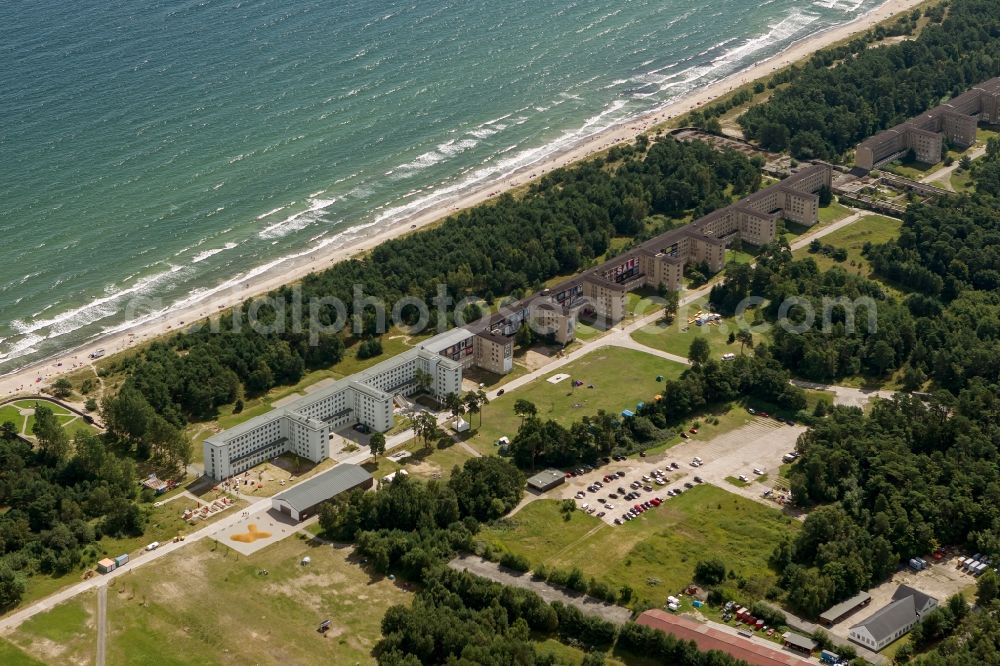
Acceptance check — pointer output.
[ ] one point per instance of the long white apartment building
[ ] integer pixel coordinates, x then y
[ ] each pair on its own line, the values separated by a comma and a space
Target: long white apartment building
304, 426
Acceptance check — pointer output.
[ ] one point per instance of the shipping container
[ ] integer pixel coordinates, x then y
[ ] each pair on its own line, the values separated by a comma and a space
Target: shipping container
121, 559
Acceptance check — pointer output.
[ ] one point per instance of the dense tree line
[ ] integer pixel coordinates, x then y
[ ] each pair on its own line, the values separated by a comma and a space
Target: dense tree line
847, 93
458, 618
507, 247
829, 324
60, 499
912, 474
409, 526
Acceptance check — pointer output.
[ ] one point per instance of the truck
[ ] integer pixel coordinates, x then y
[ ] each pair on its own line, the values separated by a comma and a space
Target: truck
828, 657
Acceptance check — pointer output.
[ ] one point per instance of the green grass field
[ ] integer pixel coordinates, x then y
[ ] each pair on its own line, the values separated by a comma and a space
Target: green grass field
64, 635
70, 421
655, 554
206, 605
961, 181
676, 337
873, 229
215, 608
835, 211
621, 378
11, 655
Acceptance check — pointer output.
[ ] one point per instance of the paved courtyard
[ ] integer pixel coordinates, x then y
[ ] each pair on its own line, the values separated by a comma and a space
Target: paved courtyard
251, 528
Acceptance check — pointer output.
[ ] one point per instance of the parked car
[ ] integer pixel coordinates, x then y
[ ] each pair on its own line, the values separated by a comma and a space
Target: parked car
693, 431
751, 410
689, 485
758, 471
684, 435
648, 489
697, 479
500, 392
618, 521
743, 478
601, 514
674, 465
620, 474
613, 495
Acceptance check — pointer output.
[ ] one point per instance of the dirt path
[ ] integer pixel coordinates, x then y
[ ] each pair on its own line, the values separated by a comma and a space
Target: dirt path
102, 624
494, 572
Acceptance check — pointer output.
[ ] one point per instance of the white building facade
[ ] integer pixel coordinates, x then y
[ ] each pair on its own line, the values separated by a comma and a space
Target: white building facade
304, 426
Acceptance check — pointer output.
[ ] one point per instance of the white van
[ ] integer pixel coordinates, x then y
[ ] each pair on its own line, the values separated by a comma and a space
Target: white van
153, 546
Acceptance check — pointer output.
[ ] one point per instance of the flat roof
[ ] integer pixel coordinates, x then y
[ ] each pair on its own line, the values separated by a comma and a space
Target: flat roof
707, 638
844, 607
324, 486
545, 477
220, 438
799, 641
443, 341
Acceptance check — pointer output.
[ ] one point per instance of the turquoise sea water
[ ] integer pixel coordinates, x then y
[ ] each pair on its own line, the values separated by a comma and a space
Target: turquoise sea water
164, 149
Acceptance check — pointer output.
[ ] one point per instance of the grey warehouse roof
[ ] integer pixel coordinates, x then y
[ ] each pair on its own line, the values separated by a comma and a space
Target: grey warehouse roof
845, 606
324, 486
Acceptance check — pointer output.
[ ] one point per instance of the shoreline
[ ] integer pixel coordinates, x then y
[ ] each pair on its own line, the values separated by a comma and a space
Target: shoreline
37, 374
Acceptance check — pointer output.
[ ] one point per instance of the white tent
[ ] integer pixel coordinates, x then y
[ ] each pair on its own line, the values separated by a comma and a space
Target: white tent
460, 425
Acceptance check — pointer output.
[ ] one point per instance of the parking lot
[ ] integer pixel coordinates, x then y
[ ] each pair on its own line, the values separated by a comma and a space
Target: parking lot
940, 580
758, 445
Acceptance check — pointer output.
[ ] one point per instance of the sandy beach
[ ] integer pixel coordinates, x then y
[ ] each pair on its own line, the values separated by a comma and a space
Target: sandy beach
31, 378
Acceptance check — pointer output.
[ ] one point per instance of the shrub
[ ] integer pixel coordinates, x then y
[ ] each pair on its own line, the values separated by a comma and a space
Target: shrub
710, 572
515, 562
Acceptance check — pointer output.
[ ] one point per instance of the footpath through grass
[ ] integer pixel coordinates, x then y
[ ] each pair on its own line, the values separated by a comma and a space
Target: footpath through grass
655, 554
206, 605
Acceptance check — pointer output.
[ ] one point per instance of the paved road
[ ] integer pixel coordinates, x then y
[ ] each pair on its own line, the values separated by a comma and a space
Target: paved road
102, 623
15, 619
808, 628
495, 572
620, 336
846, 395
944, 174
